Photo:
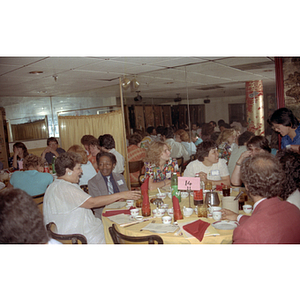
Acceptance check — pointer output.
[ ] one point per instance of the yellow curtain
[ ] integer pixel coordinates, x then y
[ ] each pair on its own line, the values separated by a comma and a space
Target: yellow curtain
30, 131
72, 128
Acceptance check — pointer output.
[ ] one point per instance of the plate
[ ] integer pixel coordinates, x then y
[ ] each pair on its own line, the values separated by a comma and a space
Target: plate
225, 225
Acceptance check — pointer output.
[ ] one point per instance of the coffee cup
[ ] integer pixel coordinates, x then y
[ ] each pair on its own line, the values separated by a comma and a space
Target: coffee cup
214, 208
139, 218
165, 206
166, 219
130, 203
134, 212
247, 208
217, 215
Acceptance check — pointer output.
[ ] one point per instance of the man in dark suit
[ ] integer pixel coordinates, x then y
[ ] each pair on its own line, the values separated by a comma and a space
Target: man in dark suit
272, 221
106, 182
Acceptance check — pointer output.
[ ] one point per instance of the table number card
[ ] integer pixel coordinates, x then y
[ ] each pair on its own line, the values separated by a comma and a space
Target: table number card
185, 182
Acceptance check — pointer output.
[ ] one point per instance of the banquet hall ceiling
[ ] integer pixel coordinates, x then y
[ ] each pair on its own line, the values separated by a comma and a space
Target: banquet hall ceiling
159, 77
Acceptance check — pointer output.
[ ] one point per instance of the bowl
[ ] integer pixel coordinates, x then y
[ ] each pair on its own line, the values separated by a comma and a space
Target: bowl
187, 211
184, 194
161, 196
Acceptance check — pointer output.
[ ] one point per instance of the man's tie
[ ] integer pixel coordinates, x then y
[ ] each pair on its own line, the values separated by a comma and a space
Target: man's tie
109, 186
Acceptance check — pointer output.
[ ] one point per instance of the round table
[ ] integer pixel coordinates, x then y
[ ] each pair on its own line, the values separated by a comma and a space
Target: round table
221, 237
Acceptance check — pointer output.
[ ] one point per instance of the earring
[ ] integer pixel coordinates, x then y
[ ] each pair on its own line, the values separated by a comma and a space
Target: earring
70, 173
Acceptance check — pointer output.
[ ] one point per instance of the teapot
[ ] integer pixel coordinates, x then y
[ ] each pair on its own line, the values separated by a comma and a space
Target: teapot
212, 199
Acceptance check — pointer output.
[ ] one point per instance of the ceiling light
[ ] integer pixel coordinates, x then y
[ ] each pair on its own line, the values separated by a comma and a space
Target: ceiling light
178, 98
134, 84
125, 83
206, 101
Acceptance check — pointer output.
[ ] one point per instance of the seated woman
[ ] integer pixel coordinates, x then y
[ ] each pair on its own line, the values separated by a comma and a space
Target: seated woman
159, 166
33, 181
290, 162
94, 149
88, 171
256, 144
20, 152
210, 167
226, 143
52, 150
69, 207
135, 153
181, 136
287, 125
106, 182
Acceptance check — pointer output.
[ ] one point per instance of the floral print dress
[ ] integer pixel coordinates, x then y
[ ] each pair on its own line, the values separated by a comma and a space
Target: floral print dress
156, 174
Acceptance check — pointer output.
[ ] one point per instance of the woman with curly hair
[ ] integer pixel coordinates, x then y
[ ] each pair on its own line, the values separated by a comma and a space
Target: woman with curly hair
226, 143
290, 162
159, 166
210, 167
32, 180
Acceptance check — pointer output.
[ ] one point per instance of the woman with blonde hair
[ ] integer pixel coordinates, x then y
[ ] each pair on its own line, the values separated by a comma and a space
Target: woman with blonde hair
159, 165
88, 171
226, 143
181, 136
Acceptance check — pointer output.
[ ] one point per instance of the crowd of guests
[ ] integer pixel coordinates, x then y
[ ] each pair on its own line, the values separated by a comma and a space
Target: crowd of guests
220, 153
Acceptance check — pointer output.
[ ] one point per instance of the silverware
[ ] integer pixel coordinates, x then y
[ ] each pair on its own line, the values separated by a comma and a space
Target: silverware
239, 195
135, 222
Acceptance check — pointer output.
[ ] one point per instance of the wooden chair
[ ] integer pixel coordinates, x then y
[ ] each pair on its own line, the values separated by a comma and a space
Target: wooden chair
65, 238
85, 188
135, 166
119, 238
180, 163
39, 200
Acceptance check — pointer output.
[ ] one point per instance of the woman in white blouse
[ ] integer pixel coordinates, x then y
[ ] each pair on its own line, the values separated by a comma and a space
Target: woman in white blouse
208, 165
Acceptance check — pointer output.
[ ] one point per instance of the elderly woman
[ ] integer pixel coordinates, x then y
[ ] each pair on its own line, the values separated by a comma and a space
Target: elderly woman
256, 144
135, 153
106, 182
210, 167
88, 171
33, 181
69, 207
284, 122
290, 162
20, 152
226, 143
181, 136
159, 166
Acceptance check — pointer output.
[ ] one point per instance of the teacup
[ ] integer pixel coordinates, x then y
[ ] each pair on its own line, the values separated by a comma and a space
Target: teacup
214, 208
187, 211
139, 218
170, 211
166, 219
158, 212
217, 215
165, 206
161, 196
134, 212
129, 203
247, 208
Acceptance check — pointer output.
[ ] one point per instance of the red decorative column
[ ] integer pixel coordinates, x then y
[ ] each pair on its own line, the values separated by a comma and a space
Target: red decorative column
255, 107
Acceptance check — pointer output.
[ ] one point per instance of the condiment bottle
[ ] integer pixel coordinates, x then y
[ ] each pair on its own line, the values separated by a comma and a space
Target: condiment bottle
46, 168
198, 194
174, 187
53, 165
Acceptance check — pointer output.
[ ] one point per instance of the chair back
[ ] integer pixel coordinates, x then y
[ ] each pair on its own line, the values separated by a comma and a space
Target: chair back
119, 238
136, 166
38, 199
65, 238
85, 188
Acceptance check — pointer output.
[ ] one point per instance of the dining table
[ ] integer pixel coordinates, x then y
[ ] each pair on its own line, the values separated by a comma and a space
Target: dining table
178, 236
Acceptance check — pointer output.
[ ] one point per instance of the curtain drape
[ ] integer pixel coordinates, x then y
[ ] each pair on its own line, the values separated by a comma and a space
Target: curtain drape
72, 128
30, 131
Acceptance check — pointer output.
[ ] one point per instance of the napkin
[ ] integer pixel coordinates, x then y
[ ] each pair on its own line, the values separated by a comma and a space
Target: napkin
118, 204
176, 209
117, 212
145, 185
197, 229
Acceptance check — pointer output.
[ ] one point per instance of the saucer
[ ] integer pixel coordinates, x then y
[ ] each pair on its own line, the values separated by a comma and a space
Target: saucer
225, 225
